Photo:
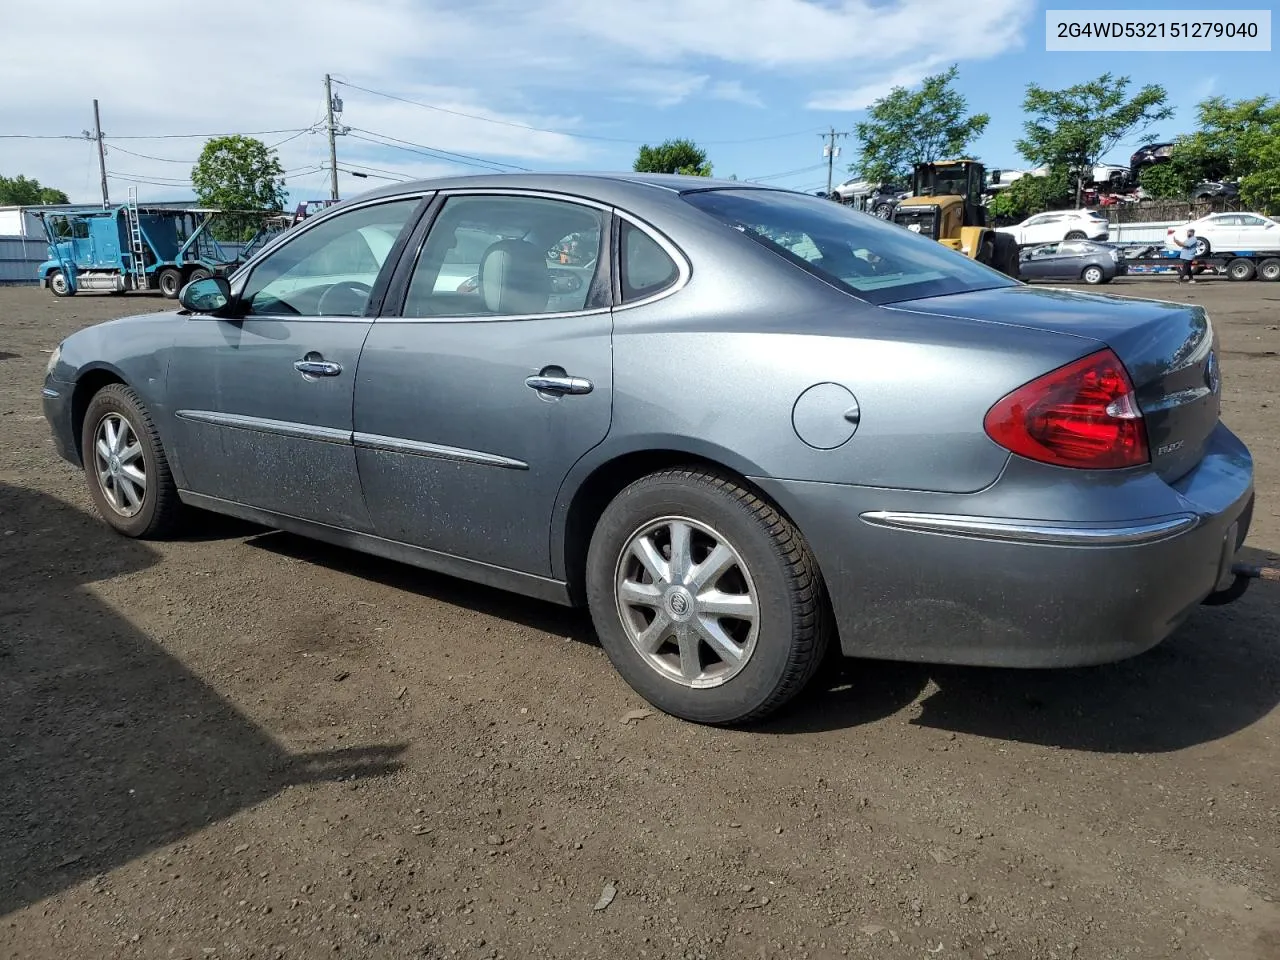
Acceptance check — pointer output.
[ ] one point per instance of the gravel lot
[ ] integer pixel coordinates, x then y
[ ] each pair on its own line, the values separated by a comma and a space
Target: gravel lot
248, 745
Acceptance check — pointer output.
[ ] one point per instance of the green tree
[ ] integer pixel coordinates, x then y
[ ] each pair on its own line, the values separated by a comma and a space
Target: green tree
1031, 194
907, 127
673, 156
1072, 129
19, 191
1235, 140
239, 173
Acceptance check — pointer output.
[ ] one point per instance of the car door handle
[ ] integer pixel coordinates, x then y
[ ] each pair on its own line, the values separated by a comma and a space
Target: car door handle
560, 385
317, 368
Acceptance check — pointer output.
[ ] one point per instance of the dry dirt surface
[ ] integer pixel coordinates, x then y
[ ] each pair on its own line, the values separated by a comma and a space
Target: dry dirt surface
248, 745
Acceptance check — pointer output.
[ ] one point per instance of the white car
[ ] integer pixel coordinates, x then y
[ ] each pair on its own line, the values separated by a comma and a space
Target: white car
1229, 233
1059, 225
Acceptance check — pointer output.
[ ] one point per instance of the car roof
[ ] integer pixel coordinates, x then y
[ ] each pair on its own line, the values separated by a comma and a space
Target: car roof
606, 186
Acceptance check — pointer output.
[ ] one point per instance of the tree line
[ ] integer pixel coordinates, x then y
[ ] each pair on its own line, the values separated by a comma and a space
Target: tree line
1067, 131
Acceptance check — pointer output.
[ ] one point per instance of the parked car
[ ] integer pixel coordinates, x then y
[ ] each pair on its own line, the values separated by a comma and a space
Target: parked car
762, 424
1060, 225
1228, 233
1209, 189
1152, 153
1085, 260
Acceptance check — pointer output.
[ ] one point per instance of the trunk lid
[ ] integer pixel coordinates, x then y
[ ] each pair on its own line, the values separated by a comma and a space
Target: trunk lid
1169, 349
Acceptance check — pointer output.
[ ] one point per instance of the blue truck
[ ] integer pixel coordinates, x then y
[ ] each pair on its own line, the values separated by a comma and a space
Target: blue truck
131, 247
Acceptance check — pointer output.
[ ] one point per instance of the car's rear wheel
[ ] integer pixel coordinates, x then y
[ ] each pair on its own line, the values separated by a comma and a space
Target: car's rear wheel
707, 601
1075, 235
126, 467
1269, 269
1093, 274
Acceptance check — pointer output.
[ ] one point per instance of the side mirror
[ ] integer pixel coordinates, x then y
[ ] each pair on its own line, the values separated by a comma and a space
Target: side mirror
207, 295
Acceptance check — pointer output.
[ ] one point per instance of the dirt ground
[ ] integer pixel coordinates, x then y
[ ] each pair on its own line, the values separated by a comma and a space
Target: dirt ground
248, 745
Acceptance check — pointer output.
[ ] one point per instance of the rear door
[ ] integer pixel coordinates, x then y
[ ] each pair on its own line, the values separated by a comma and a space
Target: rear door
488, 376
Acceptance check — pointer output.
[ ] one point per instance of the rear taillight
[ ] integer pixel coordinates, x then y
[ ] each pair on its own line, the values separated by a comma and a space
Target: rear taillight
1082, 415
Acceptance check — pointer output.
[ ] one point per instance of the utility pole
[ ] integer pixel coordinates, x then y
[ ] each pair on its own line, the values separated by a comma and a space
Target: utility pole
333, 146
102, 153
831, 151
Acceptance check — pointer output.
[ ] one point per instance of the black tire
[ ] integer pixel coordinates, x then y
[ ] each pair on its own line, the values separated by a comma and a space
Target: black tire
169, 280
160, 511
1241, 269
199, 273
1269, 269
884, 211
793, 625
1075, 235
58, 285
1093, 275
1006, 256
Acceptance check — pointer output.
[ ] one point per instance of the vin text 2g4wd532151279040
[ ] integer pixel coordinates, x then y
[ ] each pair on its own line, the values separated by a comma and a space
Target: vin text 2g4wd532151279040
738, 423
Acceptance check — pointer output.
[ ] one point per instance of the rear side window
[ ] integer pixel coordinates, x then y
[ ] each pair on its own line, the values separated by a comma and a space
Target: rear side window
646, 267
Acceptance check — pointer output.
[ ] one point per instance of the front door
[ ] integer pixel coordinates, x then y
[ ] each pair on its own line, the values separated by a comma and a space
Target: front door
262, 402
1038, 264
472, 405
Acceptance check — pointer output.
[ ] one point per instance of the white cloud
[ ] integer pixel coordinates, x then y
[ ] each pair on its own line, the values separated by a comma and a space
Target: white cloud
259, 64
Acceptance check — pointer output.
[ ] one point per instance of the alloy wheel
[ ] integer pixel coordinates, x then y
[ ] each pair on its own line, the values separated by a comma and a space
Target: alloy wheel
121, 468
687, 602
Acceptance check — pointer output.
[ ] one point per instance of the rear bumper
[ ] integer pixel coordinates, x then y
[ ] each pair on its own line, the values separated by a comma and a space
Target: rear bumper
56, 399
967, 580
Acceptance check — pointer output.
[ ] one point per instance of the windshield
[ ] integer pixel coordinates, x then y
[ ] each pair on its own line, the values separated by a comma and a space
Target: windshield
876, 261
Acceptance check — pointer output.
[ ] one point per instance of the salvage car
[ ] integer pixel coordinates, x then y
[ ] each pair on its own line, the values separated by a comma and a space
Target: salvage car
1059, 225
1094, 263
750, 426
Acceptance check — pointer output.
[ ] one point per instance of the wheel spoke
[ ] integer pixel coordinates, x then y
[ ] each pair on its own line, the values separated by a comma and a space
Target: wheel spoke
108, 488
129, 492
681, 552
112, 434
652, 637
718, 640
639, 594
710, 570
130, 453
139, 478
648, 555
103, 448
690, 661
714, 603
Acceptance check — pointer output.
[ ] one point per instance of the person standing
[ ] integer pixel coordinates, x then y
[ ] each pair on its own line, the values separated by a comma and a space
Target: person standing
1186, 256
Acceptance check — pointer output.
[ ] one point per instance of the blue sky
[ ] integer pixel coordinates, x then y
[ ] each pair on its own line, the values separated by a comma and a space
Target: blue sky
562, 84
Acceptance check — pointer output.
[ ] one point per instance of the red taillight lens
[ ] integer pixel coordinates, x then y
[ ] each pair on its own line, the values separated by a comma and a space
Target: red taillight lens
1082, 415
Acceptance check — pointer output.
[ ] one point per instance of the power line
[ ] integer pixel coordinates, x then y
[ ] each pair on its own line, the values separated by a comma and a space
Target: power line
438, 150
786, 173
145, 156
432, 153
560, 133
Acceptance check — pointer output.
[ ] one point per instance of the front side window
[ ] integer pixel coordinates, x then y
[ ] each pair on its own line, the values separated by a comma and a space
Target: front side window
330, 269
507, 256
875, 260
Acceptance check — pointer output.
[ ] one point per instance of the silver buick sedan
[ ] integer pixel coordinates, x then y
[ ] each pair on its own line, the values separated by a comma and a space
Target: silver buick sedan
742, 425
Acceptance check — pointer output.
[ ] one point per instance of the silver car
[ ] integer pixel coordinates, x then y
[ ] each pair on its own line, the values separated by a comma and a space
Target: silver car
743, 426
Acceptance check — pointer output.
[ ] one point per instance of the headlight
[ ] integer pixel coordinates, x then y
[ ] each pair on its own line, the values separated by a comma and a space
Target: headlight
53, 360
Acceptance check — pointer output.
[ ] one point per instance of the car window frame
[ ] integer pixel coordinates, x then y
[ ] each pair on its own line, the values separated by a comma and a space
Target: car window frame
599, 296
377, 294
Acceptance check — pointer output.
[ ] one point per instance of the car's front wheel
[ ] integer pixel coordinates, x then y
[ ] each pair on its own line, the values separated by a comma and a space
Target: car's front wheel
707, 601
126, 467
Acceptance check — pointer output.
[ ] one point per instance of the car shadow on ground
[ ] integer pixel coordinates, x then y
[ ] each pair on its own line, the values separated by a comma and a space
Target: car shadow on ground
534, 614
112, 748
1217, 674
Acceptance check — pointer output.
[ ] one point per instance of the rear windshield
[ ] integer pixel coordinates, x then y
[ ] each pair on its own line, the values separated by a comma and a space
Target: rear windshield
873, 259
